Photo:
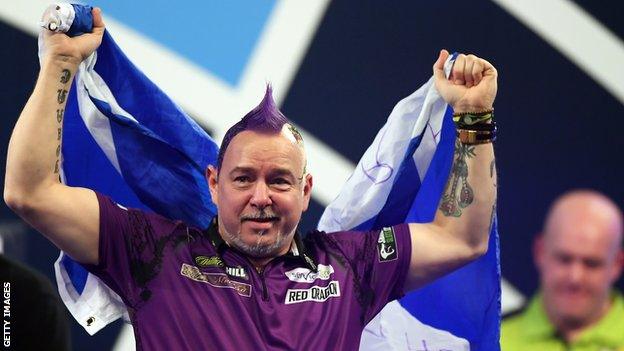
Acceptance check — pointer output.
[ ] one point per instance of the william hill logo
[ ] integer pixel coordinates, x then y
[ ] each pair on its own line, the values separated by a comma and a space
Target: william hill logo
237, 271
208, 261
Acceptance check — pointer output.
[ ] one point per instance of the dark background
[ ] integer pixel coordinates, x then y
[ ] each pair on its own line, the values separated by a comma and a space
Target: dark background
558, 128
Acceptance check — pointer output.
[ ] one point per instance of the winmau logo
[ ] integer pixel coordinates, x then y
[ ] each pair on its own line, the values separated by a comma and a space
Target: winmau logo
304, 275
315, 293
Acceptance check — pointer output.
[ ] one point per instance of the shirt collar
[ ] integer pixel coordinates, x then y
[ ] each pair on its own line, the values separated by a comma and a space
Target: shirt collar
297, 252
538, 326
610, 326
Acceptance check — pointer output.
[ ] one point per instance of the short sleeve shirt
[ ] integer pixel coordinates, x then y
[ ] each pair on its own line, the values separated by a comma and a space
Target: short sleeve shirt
186, 289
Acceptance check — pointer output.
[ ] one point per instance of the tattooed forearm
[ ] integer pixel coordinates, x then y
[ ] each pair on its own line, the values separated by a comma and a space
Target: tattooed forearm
65, 76
458, 193
493, 172
61, 95
60, 98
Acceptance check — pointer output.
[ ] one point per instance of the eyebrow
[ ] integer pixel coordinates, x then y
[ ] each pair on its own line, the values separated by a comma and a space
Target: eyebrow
282, 172
240, 169
276, 171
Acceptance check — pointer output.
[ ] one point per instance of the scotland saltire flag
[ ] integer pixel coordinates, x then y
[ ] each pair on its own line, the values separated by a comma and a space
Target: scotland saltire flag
123, 137
400, 179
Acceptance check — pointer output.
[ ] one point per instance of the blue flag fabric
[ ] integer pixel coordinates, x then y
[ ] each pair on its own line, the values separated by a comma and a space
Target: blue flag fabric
125, 138
400, 179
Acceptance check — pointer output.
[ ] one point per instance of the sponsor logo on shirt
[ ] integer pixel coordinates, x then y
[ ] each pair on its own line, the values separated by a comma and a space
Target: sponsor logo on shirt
217, 280
305, 275
209, 261
386, 245
315, 293
238, 272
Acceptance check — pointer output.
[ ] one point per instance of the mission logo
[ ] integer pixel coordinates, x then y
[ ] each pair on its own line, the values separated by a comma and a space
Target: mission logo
386, 245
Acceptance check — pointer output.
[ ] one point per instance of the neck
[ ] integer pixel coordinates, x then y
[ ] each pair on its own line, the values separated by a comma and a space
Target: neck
570, 330
259, 263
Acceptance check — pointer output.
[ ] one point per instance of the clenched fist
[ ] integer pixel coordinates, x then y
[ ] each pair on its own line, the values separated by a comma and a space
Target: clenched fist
61, 47
471, 86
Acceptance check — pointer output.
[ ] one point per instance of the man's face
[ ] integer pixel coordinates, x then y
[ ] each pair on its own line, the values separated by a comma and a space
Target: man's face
260, 192
579, 259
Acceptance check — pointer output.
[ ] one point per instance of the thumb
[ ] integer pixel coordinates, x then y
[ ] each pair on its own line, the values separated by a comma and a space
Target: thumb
438, 66
97, 18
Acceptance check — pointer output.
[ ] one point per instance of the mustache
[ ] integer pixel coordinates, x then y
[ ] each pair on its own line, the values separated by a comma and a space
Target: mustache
260, 216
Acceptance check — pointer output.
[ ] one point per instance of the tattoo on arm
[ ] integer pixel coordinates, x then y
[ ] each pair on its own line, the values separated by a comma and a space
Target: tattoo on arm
62, 94
458, 193
60, 98
65, 75
492, 172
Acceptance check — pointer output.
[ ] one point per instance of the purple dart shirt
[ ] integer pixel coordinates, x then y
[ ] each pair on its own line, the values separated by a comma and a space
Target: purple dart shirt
186, 289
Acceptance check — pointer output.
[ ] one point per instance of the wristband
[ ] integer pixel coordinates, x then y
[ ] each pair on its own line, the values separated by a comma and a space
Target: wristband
469, 118
485, 127
475, 137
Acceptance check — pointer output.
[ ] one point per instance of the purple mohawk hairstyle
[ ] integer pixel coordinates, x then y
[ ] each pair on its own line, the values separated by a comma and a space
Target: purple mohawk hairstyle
265, 117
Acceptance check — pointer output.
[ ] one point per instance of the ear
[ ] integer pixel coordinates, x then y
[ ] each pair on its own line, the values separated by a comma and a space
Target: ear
619, 265
212, 177
538, 251
307, 191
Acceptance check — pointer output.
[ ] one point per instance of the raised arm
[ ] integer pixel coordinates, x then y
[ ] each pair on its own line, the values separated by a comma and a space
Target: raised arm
68, 216
460, 230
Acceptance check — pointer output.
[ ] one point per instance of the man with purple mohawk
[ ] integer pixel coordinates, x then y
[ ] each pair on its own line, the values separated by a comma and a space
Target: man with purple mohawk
261, 147
250, 281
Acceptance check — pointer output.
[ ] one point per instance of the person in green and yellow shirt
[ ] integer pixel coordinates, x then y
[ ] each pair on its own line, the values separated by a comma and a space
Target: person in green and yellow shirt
579, 257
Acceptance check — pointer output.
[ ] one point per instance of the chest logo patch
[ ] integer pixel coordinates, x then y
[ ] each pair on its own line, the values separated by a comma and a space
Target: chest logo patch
238, 272
314, 294
305, 275
208, 261
386, 245
217, 280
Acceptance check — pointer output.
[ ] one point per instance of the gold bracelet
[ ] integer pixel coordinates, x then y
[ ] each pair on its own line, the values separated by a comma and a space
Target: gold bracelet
475, 137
